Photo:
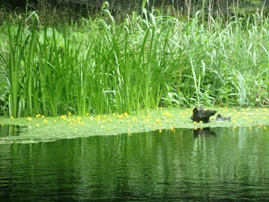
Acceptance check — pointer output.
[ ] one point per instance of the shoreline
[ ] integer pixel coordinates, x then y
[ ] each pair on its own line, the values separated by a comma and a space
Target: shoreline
41, 128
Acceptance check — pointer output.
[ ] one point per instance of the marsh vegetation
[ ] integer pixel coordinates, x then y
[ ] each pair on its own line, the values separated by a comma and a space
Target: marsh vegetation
145, 61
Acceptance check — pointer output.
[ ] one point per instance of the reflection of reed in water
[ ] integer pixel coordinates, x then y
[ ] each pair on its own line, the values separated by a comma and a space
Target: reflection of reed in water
205, 132
10, 130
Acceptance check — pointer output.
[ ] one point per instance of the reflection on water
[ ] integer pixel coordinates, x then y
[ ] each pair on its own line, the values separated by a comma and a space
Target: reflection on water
10, 130
233, 166
203, 132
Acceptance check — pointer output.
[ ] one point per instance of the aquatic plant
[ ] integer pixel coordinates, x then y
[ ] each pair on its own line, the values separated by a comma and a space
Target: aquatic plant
43, 128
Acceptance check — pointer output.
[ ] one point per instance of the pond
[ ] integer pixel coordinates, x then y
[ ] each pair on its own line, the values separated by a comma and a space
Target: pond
220, 164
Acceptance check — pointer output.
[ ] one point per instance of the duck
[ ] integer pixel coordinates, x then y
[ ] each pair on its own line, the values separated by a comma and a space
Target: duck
221, 118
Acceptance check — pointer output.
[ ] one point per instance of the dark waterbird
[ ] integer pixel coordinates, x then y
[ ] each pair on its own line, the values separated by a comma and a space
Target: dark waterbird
222, 118
202, 115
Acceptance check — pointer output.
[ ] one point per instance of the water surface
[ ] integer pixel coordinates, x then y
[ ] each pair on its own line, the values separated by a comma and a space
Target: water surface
10, 130
215, 165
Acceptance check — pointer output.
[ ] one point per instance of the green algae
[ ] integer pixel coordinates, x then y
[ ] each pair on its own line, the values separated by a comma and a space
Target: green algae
41, 128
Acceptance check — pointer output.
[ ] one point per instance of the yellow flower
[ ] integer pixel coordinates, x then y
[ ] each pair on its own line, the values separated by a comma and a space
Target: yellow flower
158, 121
160, 131
29, 118
172, 128
63, 117
46, 121
195, 122
11, 117
120, 116
55, 121
37, 125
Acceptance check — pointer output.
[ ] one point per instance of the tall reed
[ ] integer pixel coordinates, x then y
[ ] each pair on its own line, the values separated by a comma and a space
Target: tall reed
146, 61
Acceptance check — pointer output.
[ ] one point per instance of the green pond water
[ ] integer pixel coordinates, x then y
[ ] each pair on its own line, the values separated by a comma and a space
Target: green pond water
209, 165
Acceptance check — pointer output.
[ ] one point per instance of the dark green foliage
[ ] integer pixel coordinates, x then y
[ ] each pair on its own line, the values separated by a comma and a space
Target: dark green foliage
146, 61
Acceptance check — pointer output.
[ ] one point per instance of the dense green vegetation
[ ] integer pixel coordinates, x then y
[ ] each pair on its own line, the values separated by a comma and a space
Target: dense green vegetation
145, 61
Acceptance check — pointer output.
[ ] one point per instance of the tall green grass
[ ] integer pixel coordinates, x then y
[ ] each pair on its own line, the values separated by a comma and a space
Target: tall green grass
146, 61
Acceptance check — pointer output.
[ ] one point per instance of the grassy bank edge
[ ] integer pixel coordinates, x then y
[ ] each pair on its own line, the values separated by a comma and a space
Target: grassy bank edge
41, 128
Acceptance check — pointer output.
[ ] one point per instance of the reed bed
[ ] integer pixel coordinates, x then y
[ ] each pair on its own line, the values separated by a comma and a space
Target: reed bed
145, 61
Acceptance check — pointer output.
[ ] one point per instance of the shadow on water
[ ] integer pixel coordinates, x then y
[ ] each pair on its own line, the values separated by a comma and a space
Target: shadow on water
11, 130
